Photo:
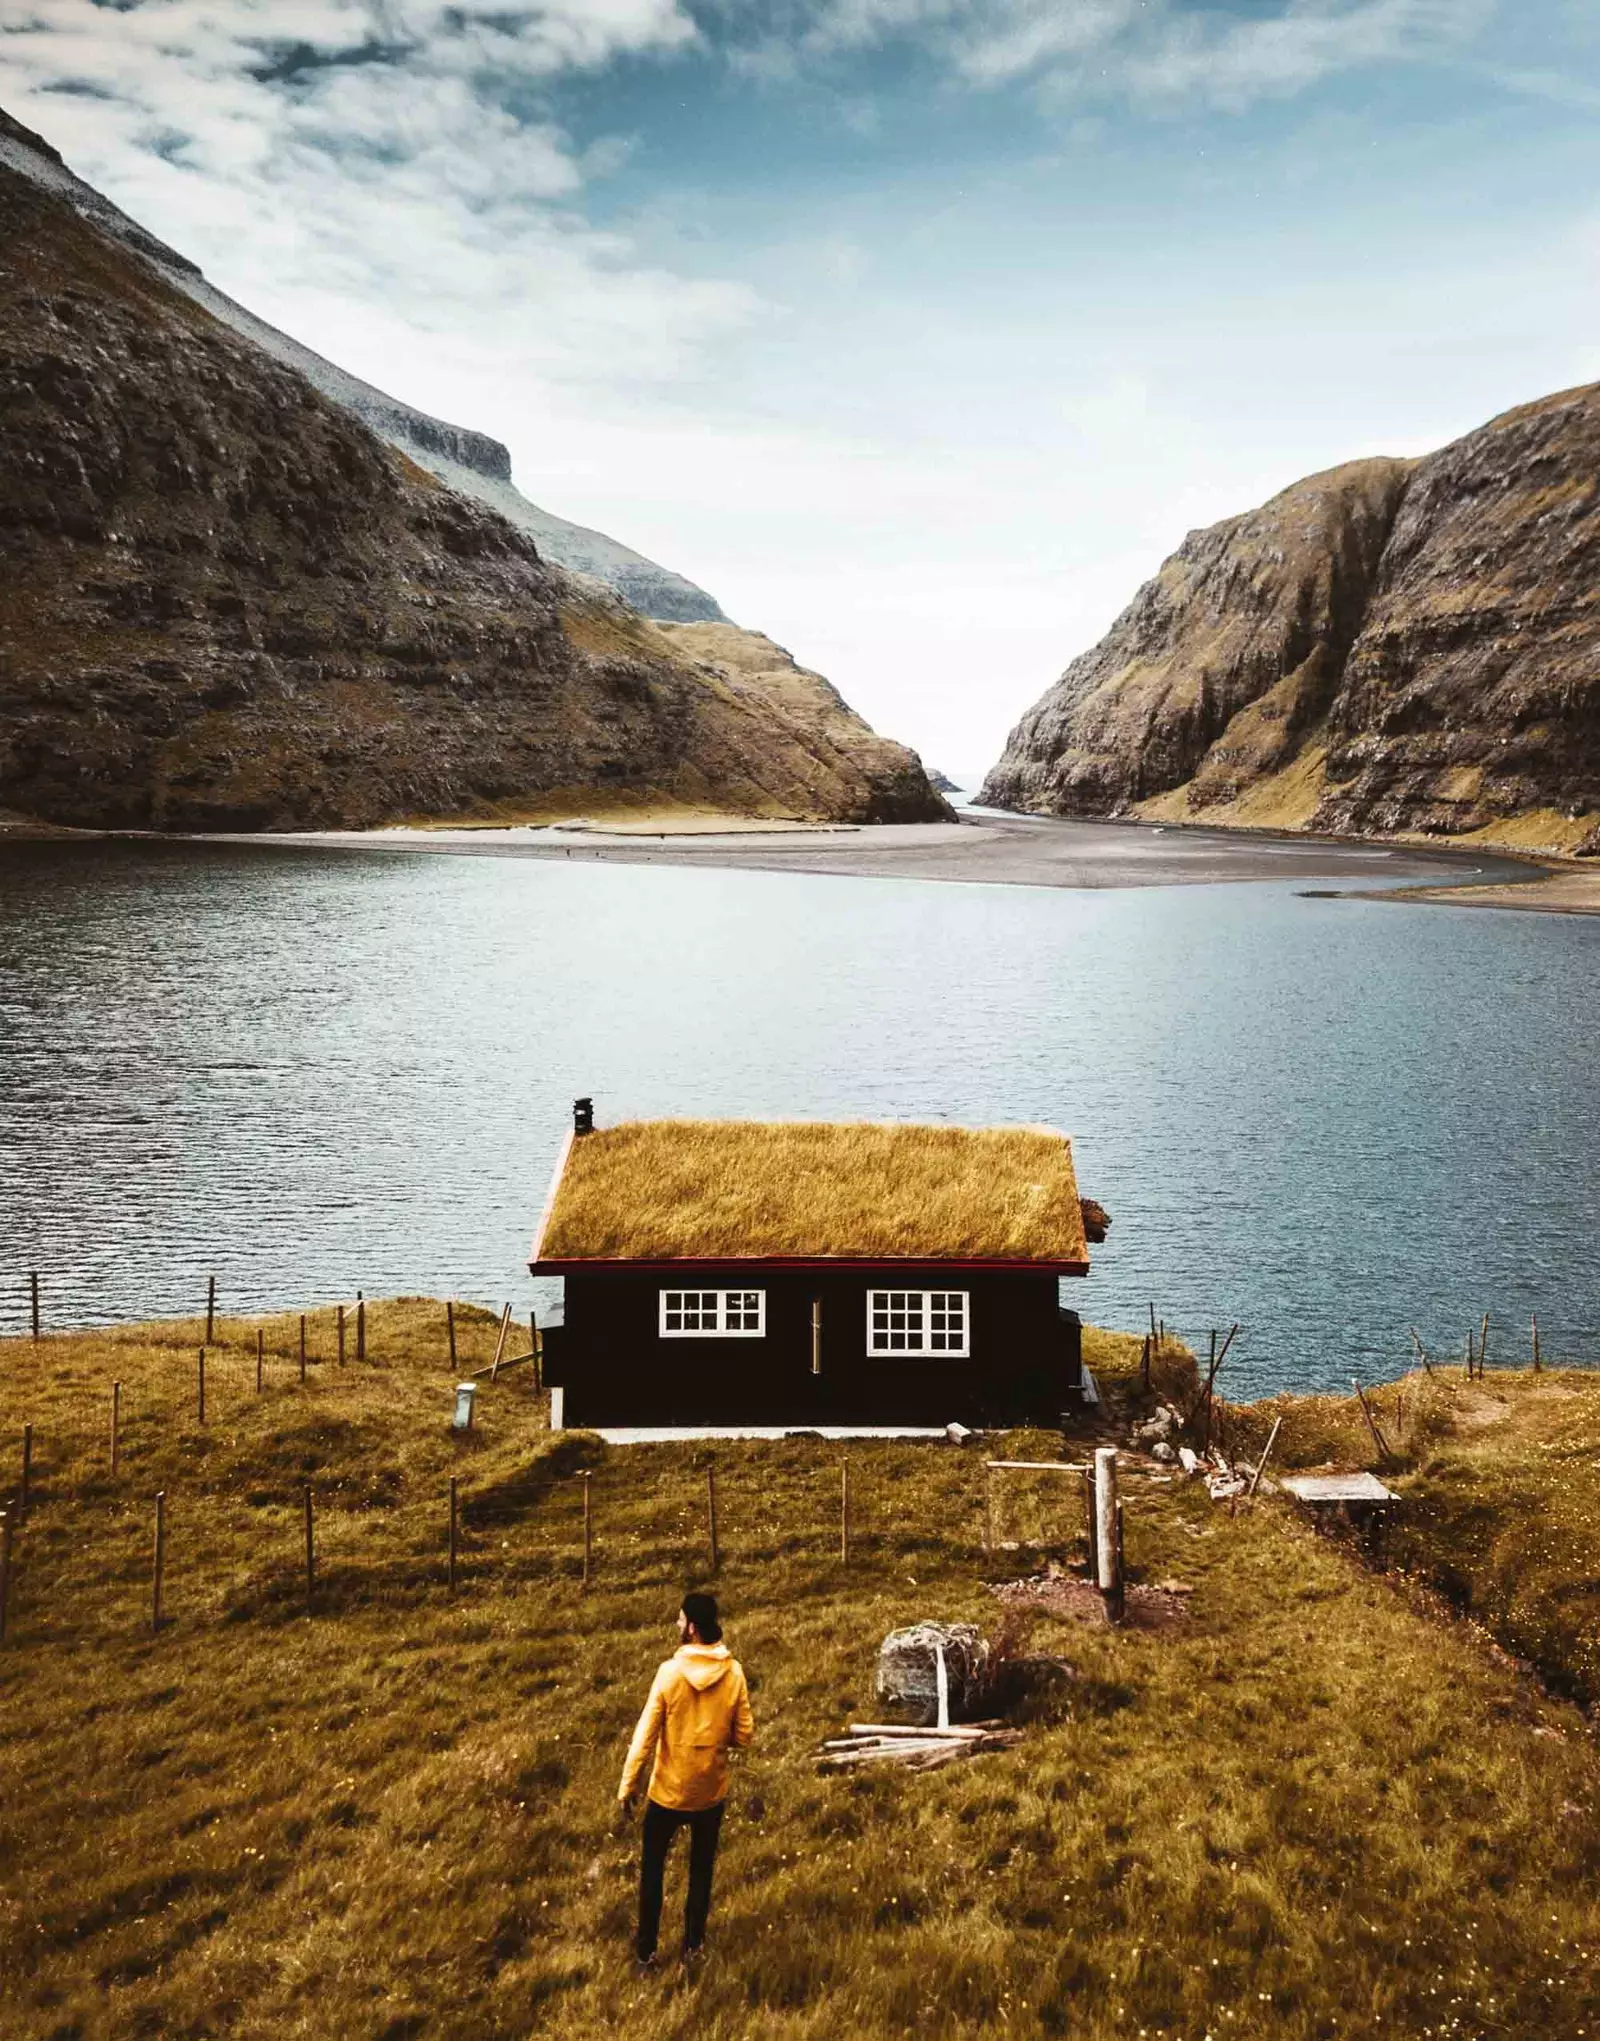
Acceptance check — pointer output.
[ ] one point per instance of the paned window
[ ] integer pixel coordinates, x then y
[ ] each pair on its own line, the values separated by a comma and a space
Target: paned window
917, 1322
713, 1314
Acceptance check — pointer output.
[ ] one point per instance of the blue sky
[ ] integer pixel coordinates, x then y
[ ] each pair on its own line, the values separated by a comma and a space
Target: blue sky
917, 330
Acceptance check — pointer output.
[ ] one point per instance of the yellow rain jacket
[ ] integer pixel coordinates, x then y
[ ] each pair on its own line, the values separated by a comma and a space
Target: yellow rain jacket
699, 1709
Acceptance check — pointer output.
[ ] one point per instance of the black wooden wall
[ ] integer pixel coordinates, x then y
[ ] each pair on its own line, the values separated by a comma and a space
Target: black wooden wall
1024, 1366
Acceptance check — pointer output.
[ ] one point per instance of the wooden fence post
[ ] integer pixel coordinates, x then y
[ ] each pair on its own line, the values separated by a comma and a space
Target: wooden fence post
1378, 1439
1090, 1539
311, 1553
1144, 1364
33, 1286
302, 1349
1483, 1344
711, 1517
1266, 1455
260, 1356
116, 1424
5, 1569
537, 1338
160, 1560
361, 1327
588, 1533
454, 1520
450, 1329
27, 1469
340, 1309
211, 1311
202, 1386
1536, 1367
1109, 1557
988, 1507
844, 1512
500, 1343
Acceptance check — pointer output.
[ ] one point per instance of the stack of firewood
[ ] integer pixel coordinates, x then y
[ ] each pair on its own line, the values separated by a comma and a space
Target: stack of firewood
919, 1750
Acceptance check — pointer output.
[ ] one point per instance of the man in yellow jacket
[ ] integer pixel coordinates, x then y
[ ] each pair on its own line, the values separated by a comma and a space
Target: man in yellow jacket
698, 1710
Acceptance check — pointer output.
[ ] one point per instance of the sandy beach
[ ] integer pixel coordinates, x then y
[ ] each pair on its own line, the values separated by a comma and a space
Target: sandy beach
980, 849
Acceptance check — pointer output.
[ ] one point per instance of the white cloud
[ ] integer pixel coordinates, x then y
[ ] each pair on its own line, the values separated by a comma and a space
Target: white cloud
1146, 49
306, 150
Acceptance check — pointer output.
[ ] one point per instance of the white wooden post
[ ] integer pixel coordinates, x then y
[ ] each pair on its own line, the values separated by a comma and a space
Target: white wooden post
1108, 1557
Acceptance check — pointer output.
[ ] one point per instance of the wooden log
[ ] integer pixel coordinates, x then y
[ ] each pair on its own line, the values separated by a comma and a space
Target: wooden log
1537, 1369
27, 1470
899, 1729
361, 1327
454, 1532
33, 1287
1040, 1466
211, 1310
1378, 1439
711, 1517
1266, 1455
160, 1565
311, 1552
500, 1343
5, 1571
302, 1349
339, 1323
116, 1425
450, 1330
200, 1387
1108, 1558
588, 1527
844, 1513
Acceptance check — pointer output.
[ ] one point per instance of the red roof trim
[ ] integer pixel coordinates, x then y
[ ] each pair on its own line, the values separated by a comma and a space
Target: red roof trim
565, 1266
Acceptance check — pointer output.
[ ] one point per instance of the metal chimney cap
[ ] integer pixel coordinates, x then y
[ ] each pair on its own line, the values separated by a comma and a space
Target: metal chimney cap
583, 1116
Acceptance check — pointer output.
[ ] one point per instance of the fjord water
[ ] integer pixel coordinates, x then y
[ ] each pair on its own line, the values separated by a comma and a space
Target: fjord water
312, 1071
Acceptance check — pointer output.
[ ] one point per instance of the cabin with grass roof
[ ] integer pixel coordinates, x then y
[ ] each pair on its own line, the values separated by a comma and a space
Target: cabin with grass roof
799, 1273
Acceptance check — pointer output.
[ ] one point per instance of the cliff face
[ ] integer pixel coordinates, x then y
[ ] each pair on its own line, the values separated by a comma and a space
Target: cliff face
1390, 647
228, 604
471, 463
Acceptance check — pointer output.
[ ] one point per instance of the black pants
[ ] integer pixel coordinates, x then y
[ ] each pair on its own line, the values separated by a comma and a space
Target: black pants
661, 1824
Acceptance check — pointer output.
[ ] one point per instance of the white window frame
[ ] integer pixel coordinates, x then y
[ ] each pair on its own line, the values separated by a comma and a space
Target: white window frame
719, 1306
922, 1304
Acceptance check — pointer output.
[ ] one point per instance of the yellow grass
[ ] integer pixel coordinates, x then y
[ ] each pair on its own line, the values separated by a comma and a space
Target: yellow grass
1312, 1812
667, 1190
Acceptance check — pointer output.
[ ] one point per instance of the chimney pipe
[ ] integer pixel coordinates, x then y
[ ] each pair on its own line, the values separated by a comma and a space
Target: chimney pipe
583, 1116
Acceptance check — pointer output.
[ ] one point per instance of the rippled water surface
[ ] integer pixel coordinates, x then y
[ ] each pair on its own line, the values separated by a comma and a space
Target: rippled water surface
310, 1072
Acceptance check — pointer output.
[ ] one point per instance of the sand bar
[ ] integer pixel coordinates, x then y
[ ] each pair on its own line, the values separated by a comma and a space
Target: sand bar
980, 849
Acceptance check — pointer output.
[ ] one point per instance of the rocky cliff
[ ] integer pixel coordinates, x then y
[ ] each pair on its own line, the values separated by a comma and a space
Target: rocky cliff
471, 463
228, 603
1390, 648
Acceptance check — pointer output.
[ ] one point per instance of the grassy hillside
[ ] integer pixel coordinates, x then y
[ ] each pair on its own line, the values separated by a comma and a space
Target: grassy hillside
1312, 1807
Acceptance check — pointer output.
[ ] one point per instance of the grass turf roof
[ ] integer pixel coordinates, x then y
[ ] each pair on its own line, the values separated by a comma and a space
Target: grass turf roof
735, 1190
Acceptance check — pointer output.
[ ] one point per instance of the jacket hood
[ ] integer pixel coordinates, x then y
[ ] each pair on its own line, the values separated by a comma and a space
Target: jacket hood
702, 1665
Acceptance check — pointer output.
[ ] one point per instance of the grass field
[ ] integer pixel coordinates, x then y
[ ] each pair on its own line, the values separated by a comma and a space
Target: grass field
1316, 1807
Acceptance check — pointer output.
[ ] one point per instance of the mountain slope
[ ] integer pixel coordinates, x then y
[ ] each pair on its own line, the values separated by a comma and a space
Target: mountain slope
227, 603
469, 462
1392, 647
